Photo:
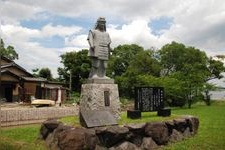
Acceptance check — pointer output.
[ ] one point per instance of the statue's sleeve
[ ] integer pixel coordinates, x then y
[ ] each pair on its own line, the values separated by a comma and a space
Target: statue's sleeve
109, 40
90, 39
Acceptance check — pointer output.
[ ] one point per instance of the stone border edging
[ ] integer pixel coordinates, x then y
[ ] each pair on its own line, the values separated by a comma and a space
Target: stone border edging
150, 135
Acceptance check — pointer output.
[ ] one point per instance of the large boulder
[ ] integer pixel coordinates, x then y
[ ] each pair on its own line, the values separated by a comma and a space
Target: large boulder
180, 124
52, 142
77, 138
176, 136
170, 126
158, 131
100, 147
148, 144
136, 134
52, 138
44, 132
137, 128
111, 135
187, 132
48, 127
125, 146
51, 124
193, 123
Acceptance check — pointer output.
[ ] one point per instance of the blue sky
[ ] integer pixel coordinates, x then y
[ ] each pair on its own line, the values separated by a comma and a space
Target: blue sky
56, 41
41, 31
159, 24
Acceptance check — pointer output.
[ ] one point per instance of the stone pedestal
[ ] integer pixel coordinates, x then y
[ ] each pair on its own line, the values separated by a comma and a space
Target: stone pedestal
134, 114
164, 112
100, 95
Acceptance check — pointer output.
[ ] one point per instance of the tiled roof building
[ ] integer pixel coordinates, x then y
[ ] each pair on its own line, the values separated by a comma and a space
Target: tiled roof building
18, 85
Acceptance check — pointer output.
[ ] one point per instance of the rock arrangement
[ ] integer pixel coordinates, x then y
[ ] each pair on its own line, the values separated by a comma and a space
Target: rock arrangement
143, 136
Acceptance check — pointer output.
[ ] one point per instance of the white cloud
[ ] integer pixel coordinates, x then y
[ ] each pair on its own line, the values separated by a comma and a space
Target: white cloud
50, 30
201, 25
13, 11
195, 23
136, 32
14, 33
31, 54
79, 41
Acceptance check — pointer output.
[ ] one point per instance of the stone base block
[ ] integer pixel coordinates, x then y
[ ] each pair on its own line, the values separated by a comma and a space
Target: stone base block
134, 114
100, 97
164, 112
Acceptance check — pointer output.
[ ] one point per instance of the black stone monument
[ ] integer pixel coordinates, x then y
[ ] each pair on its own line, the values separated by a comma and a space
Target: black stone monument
149, 98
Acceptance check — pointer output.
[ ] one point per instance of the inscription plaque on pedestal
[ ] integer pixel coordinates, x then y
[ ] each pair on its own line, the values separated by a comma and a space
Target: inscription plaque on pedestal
149, 98
97, 118
106, 98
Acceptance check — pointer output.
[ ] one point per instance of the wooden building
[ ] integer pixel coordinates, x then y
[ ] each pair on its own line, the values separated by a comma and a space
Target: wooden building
19, 85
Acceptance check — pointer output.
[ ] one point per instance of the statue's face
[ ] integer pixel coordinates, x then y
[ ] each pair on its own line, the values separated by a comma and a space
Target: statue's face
101, 25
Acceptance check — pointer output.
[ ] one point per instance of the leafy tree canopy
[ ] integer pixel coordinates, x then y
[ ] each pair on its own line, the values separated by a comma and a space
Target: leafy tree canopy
121, 57
144, 63
191, 66
77, 64
183, 71
45, 73
8, 52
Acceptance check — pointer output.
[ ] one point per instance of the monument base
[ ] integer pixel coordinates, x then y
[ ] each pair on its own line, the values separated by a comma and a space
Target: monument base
134, 114
101, 97
164, 112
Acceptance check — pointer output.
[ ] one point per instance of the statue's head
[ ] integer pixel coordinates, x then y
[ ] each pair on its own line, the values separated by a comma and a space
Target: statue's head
101, 24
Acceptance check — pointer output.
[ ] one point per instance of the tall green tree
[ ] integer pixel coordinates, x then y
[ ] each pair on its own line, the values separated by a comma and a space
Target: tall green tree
143, 64
78, 64
8, 52
35, 72
215, 68
120, 59
191, 66
45, 73
172, 57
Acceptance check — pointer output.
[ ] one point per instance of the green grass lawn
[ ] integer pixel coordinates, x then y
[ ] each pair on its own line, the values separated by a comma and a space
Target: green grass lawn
21, 138
211, 133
